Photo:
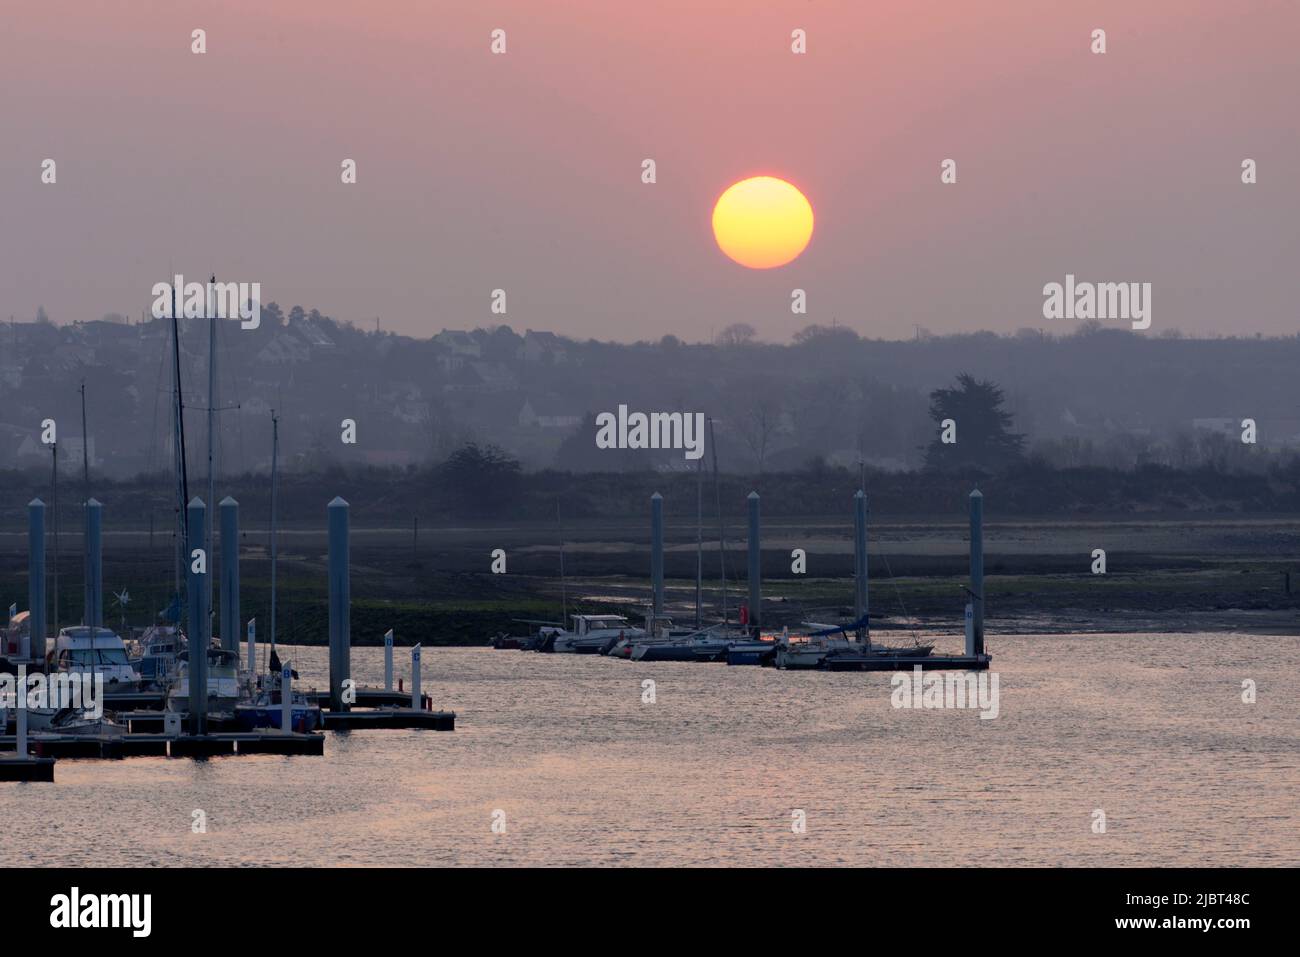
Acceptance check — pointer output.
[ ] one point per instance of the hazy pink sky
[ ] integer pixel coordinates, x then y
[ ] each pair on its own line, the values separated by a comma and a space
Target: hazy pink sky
523, 171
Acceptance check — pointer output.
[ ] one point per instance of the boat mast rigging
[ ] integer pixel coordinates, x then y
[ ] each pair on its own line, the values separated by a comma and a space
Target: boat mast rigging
178, 449
275, 452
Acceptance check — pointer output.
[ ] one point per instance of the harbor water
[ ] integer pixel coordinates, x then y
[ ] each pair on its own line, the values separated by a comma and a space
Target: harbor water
563, 760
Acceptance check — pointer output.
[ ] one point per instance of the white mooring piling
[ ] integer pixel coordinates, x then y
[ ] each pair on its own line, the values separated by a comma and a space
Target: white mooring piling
94, 563
286, 698
970, 629
977, 569
415, 677
340, 603
21, 718
388, 660
36, 578
860, 600
200, 623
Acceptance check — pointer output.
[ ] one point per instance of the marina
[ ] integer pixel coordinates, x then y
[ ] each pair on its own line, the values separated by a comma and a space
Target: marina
186, 693
201, 707
807, 645
220, 703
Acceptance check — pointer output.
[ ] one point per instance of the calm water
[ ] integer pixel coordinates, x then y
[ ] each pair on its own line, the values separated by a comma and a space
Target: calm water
1151, 729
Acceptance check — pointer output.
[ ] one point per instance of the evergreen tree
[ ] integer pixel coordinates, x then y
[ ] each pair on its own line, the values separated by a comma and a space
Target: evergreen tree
985, 441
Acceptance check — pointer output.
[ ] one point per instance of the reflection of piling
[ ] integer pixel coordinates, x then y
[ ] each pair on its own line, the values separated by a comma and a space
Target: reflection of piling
199, 595
860, 561
977, 569
657, 551
36, 579
94, 599
340, 603
755, 567
230, 574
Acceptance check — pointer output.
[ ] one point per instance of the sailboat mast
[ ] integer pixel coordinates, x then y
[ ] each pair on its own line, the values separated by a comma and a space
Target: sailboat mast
275, 452
182, 470
699, 540
212, 419
564, 597
722, 539
54, 578
85, 444
177, 552
85, 487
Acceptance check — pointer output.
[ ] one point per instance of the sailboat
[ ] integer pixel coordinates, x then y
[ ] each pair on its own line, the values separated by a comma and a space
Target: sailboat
830, 645
262, 703
261, 706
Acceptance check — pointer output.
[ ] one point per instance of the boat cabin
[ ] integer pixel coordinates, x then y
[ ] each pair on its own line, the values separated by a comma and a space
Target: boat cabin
584, 624
83, 649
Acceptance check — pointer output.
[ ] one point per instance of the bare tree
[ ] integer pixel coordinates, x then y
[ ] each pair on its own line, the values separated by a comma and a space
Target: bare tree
756, 411
736, 334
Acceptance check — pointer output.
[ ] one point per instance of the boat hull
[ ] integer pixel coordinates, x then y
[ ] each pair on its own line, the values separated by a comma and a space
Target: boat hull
250, 717
751, 656
663, 652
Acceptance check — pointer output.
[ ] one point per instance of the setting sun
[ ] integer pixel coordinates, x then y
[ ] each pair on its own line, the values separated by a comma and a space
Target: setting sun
762, 222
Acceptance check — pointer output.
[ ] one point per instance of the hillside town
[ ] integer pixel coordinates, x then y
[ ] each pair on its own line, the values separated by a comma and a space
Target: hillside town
828, 396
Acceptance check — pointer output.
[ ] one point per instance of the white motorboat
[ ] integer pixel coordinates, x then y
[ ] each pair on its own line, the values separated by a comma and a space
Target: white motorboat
595, 634
82, 649
225, 688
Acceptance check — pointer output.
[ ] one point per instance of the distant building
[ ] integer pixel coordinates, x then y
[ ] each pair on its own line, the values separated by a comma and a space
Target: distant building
542, 416
459, 343
285, 349
31, 449
314, 334
496, 376
543, 346
1220, 424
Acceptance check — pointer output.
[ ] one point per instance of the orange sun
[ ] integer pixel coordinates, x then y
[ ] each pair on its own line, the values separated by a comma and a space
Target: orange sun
762, 222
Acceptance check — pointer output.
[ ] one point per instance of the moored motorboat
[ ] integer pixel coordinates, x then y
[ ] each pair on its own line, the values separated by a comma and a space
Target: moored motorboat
224, 686
81, 649
595, 634
530, 641
158, 648
265, 710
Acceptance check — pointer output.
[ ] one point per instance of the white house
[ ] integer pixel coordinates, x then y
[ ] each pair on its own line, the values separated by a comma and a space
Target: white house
547, 418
